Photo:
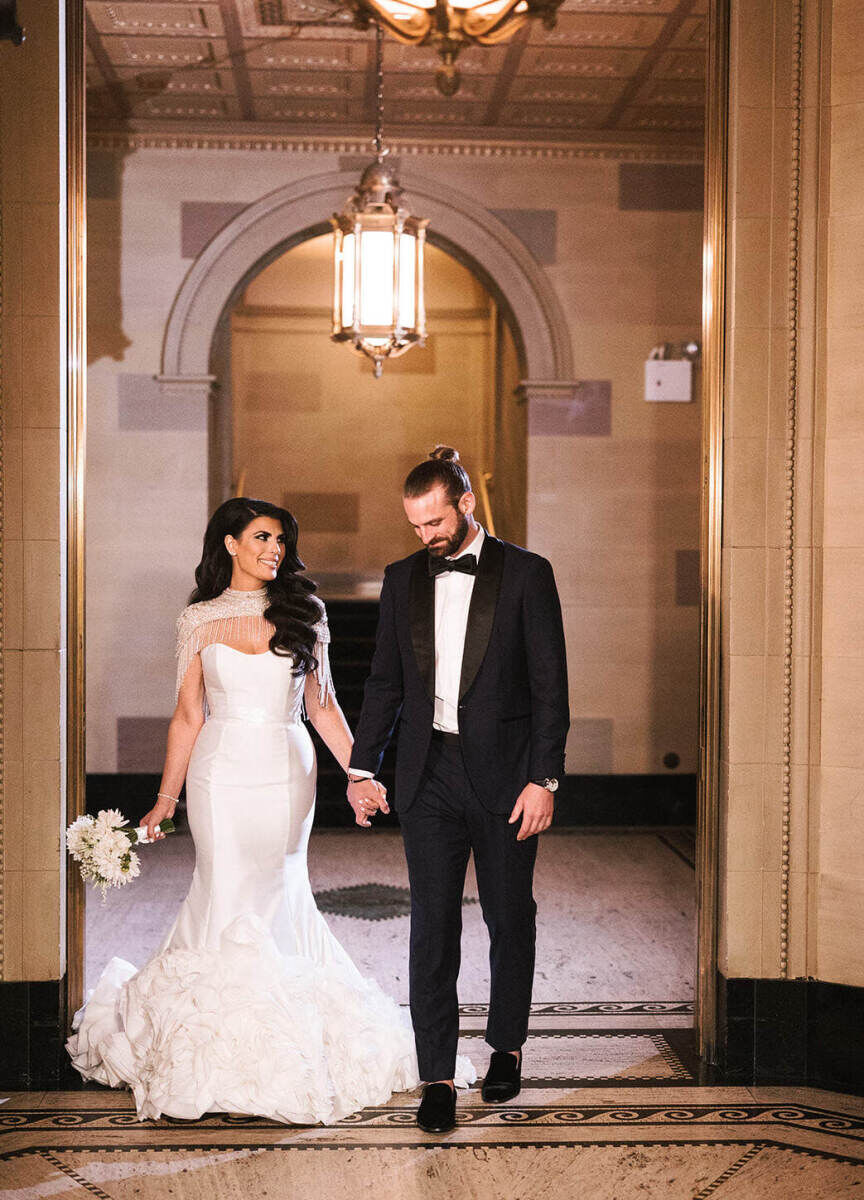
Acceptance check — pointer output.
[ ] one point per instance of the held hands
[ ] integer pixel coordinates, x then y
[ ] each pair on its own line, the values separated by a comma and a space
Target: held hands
535, 805
366, 797
159, 812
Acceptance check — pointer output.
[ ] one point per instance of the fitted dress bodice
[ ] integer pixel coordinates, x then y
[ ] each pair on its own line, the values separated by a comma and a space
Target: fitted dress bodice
256, 688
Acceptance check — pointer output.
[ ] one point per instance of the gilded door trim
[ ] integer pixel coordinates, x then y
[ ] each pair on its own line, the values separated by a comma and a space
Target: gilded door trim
713, 376
714, 272
76, 428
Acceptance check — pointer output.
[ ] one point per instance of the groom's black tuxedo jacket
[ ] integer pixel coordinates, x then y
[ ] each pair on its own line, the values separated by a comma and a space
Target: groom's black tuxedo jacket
513, 700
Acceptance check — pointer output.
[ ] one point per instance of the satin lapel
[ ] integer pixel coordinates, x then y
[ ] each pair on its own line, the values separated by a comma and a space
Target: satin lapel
481, 614
422, 618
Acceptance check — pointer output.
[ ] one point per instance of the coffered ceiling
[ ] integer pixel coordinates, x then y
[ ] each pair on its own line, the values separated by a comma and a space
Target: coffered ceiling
611, 71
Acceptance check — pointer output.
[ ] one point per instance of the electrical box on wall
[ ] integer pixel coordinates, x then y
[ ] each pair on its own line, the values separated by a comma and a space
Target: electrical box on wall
669, 380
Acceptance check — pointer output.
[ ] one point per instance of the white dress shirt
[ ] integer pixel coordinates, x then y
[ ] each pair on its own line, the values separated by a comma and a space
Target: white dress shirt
453, 591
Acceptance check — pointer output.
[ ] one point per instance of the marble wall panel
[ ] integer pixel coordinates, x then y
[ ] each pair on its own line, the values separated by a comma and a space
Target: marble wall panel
660, 187
201, 220
536, 227
143, 404
33, 222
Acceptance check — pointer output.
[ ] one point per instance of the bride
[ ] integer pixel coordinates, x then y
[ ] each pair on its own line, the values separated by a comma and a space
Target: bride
250, 1005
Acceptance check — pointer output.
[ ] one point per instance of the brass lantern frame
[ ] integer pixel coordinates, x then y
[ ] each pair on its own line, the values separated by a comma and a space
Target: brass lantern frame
376, 207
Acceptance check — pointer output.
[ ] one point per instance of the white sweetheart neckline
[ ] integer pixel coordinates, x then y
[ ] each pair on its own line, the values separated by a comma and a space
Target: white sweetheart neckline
245, 653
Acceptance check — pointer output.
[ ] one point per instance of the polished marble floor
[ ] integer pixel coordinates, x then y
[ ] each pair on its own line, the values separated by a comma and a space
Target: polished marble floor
616, 911
550, 1143
611, 1106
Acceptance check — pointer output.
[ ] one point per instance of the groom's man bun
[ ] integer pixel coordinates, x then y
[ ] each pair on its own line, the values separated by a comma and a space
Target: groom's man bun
441, 467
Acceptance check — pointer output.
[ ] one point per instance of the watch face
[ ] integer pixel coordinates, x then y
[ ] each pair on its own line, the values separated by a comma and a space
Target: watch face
552, 785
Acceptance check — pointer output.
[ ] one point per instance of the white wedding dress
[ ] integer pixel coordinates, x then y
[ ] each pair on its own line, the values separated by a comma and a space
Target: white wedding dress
250, 1005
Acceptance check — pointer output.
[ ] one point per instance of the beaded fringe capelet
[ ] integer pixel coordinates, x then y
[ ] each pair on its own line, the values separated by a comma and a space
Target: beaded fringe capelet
236, 618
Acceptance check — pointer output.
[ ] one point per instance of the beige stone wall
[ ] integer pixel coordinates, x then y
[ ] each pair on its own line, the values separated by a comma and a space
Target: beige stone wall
611, 509
791, 868
33, 232
839, 851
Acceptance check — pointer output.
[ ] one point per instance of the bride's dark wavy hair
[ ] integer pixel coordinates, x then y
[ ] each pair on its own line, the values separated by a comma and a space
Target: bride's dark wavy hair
291, 607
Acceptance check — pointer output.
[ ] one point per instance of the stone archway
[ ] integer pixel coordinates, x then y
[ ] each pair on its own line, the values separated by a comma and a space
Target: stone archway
286, 212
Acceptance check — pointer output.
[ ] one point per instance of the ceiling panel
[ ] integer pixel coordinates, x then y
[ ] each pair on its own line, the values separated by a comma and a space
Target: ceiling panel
589, 29
295, 112
163, 51
555, 116
309, 54
158, 18
476, 88
203, 81
186, 108
326, 85
573, 60
609, 67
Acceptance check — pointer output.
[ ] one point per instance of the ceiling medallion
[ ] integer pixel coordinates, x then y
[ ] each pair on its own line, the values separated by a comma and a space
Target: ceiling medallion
451, 25
378, 303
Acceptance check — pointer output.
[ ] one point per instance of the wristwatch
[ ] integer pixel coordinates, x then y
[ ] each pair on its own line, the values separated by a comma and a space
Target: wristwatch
551, 785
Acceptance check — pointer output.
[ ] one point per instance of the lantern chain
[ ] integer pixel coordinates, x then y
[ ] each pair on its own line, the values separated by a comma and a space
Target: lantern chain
379, 92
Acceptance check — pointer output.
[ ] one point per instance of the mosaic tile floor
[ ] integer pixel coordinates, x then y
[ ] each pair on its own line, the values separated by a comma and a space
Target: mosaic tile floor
611, 1107
547, 1144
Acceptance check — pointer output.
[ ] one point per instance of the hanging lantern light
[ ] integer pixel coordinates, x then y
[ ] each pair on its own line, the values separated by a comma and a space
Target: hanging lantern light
378, 260
450, 25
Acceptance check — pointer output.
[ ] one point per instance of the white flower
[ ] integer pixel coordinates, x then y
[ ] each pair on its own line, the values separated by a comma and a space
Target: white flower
110, 818
103, 849
78, 836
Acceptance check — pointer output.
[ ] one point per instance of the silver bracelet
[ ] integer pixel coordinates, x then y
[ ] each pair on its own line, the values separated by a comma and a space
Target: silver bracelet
165, 796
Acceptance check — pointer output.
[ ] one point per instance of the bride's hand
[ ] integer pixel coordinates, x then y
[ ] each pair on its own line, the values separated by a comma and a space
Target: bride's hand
160, 811
366, 797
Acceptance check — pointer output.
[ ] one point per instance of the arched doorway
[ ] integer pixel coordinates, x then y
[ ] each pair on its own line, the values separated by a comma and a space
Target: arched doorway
287, 216
298, 417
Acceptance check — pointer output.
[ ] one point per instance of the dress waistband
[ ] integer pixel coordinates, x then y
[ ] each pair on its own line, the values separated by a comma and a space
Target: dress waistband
255, 718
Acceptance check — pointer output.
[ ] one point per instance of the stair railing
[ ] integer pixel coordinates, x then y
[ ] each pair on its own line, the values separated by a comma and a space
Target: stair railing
488, 519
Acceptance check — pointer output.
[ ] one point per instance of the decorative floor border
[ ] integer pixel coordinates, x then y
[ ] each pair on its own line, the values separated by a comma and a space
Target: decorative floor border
801, 1117
581, 1008
50, 1152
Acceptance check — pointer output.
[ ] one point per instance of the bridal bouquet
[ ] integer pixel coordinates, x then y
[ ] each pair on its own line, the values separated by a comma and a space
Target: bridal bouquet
102, 847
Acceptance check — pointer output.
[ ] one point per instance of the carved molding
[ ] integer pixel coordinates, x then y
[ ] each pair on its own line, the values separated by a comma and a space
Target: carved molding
299, 210
791, 437
631, 150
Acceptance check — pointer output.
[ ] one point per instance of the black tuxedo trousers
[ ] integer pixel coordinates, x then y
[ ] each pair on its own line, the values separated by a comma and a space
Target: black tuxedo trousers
453, 799
444, 825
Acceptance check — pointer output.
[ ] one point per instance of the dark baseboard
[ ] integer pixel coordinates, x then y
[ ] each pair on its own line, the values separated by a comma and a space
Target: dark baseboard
626, 800
591, 800
133, 793
789, 1032
772, 1032
32, 1049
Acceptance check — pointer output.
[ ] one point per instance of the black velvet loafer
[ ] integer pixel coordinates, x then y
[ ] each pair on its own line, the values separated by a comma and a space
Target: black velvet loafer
504, 1077
437, 1111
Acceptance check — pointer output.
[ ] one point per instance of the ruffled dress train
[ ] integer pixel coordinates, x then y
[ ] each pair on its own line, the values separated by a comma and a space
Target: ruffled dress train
250, 1005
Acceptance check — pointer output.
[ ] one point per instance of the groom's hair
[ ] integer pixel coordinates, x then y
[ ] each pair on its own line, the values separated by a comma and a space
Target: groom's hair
442, 466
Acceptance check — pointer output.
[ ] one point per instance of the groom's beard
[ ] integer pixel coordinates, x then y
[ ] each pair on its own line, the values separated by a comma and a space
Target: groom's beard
447, 546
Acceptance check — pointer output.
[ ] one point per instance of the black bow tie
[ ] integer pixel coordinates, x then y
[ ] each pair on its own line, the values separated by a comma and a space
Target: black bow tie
467, 564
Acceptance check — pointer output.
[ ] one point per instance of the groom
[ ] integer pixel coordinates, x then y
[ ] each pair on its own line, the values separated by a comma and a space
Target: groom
470, 654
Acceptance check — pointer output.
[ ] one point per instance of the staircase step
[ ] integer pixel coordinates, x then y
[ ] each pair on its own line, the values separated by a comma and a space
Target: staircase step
352, 629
